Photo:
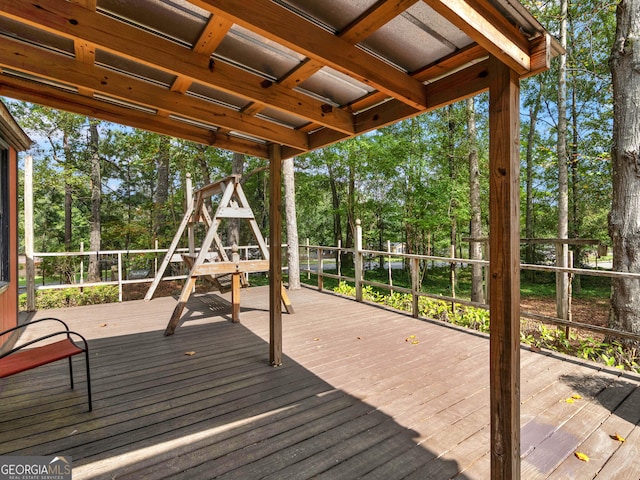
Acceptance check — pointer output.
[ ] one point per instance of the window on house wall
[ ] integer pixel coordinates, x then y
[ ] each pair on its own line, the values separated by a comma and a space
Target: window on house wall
4, 215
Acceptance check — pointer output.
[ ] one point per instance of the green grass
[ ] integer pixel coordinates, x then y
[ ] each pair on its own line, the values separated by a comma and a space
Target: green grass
437, 282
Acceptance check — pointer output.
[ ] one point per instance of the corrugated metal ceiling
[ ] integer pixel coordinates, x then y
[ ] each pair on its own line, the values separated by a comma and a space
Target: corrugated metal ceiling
317, 98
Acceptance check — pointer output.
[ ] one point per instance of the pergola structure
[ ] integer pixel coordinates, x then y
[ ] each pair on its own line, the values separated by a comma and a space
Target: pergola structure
278, 78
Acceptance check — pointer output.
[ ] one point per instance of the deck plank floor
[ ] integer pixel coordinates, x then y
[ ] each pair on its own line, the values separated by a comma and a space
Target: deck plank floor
364, 392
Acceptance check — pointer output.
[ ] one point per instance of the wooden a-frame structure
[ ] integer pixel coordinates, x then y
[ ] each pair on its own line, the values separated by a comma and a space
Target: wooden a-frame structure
233, 205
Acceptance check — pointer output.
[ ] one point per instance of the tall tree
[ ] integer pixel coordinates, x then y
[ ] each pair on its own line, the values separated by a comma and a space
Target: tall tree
162, 187
562, 280
535, 105
475, 229
624, 220
233, 225
96, 198
293, 257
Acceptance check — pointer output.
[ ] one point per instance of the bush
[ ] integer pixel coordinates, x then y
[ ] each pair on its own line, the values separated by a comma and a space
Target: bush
72, 297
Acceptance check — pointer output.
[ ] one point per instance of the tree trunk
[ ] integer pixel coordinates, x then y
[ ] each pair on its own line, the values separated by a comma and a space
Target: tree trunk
335, 203
65, 266
68, 190
233, 224
575, 219
562, 280
96, 198
475, 247
162, 188
624, 220
293, 257
534, 111
204, 171
453, 201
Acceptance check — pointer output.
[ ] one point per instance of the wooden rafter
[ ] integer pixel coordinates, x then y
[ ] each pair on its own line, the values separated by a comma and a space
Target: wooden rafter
489, 29
23, 57
170, 108
280, 25
111, 35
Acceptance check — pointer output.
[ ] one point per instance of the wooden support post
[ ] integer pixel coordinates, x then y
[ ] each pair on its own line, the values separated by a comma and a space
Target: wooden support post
189, 285
275, 255
235, 297
504, 227
235, 287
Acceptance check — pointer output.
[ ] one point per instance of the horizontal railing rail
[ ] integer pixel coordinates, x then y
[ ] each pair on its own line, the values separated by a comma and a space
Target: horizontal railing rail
316, 260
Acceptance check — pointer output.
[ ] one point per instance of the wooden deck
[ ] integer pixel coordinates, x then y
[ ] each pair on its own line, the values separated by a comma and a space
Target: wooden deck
364, 392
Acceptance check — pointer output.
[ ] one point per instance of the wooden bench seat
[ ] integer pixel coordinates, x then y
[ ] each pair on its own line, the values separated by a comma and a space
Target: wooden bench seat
30, 355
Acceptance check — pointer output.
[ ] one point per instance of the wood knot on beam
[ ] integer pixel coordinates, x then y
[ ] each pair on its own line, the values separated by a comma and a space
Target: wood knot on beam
326, 108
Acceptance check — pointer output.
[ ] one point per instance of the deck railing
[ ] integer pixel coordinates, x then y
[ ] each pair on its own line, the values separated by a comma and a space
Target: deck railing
364, 258
119, 267
121, 273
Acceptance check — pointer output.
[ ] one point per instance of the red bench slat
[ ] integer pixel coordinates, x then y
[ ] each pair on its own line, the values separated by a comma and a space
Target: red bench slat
32, 358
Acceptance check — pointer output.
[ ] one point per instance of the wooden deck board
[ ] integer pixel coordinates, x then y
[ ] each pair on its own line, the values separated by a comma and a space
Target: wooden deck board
354, 398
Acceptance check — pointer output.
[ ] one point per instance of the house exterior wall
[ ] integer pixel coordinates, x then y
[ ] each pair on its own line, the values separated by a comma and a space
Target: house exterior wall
12, 141
9, 294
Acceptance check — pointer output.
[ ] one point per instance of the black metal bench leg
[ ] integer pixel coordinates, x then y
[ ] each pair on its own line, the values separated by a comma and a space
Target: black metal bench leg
71, 372
86, 356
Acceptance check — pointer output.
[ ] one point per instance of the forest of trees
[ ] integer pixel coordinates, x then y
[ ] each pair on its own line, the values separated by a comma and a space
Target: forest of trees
422, 182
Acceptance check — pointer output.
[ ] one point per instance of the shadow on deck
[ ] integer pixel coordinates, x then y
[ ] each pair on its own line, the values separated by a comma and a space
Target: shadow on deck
363, 392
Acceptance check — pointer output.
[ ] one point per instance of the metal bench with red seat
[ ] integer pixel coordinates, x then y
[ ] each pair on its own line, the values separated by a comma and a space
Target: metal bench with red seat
29, 355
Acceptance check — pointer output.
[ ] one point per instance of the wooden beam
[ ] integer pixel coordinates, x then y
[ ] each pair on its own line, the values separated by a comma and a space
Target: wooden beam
489, 29
209, 39
42, 94
275, 255
285, 27
74, 22
504, 267
242, 266
379, 14
20, 56
464, 83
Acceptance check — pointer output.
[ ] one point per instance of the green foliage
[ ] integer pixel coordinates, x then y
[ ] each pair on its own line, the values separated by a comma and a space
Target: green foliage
72, 297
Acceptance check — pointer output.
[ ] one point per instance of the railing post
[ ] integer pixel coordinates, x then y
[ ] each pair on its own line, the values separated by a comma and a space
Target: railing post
320, 269
155, 258
452, 267
308, 260
81, 264
339, 259
415, 288
389, 265
567, 330
357, 260
485, 269
119, 277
